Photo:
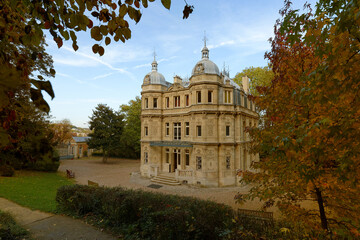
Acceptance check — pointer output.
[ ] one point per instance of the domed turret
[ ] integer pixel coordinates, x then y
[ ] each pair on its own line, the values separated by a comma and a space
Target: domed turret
205, 65
154, 77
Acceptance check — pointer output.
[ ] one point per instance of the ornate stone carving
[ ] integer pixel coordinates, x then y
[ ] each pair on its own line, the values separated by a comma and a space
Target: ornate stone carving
199, 68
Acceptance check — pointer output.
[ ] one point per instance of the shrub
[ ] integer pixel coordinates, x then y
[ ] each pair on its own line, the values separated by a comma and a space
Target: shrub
46, 164
147, 215
6, 171
9, 229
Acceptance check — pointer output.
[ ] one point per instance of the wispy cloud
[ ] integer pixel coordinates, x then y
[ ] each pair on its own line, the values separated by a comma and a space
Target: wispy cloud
159, 61
221, 44
91, 60
102, 76
142, 65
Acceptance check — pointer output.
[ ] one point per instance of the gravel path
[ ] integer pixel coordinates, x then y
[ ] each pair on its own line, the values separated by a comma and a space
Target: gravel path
125, 173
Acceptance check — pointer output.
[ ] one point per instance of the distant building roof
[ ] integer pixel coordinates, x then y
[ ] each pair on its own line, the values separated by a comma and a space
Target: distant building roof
81, 139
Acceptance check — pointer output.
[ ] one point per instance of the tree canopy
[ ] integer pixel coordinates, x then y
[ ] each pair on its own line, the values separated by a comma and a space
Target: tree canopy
132, 130
312, 120
259, 76
107, 126
23, 25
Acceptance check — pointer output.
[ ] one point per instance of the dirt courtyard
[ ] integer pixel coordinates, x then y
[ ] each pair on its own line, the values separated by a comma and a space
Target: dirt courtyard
125, 173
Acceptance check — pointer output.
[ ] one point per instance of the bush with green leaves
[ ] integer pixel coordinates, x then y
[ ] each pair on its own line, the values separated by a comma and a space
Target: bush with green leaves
146, 215
10, 230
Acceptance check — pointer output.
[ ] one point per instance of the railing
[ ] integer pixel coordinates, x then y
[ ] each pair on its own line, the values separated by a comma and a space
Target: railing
184, 173
66, 157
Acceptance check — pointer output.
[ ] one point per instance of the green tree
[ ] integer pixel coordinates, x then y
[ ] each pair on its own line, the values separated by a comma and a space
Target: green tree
107, 127
259, 76
132, 130
312, 120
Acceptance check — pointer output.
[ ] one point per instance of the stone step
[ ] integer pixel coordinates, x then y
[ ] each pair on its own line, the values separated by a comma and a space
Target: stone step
166, 177
167, 180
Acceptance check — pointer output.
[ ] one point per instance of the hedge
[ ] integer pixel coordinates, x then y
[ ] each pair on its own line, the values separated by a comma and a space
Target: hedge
144, 215
10, 230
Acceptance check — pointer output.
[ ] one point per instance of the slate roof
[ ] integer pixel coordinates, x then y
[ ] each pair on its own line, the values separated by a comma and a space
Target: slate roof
81, 139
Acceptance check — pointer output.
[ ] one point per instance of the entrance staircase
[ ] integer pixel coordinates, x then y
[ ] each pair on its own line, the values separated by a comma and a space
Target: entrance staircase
166, 179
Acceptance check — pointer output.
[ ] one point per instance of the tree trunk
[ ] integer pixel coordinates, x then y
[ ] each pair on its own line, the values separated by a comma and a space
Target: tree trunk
320, 201
105, 157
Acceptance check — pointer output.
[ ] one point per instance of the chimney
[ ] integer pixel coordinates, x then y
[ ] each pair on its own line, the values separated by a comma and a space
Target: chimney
177, 79
245, 83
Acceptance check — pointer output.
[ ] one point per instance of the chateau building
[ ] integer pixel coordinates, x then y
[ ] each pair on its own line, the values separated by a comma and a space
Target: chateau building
195, 129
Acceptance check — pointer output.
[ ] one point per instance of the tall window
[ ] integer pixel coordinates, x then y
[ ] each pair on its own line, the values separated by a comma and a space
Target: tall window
155, 102
187, 157
244, 160
251, 105
146, 131
198, 96
167, 102
146, 157
227, 96
177, 101
227, 131
146, 103
167, 129
167, 155
178, 156
227, 162
244, 128
187, 102
198, 163
210, 96
245, 102
198, 130
177, 131
187, 128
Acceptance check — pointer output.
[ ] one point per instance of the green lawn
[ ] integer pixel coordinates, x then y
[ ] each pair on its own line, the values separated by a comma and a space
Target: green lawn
36, 190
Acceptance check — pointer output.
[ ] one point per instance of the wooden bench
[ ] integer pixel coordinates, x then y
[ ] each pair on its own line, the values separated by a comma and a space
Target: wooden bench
70, 174
94, 184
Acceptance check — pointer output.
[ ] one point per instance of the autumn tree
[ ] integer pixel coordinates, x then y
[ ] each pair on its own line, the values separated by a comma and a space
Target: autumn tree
61, 131
107, 126
23, 25
312, 120
259, 76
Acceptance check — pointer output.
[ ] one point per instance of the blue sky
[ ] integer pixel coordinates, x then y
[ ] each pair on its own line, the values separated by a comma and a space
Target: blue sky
237, 33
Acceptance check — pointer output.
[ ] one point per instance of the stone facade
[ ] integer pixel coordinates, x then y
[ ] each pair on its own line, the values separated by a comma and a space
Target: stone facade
196, 129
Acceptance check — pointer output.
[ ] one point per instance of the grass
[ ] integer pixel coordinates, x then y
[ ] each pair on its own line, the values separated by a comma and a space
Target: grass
35, 190
9, 229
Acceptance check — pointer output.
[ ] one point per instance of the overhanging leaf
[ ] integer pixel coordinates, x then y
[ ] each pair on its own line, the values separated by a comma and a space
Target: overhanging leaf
166, 3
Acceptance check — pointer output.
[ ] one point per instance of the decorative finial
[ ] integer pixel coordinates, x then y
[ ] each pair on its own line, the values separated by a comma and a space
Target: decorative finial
154, 63
205, 50
204, 39
154, 54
